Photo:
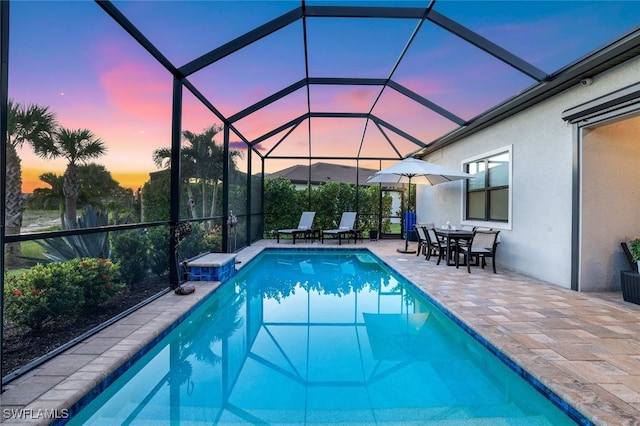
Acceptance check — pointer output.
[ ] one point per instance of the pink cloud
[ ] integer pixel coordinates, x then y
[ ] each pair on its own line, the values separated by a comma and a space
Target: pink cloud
359, 98
138, 91
343, 98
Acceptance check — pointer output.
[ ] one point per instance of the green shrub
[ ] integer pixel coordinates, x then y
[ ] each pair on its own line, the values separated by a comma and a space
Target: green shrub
130, 250
634, 248
51, 292
157, 197
212, 240
159, 249
99, 279
59, 291
200, 241
282, 208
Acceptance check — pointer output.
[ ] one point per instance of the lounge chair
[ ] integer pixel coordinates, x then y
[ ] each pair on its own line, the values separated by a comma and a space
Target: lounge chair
304, 229
346, 228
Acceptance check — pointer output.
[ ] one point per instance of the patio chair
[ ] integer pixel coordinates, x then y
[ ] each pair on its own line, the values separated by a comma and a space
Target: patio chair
427, 224
483, 229
423, 243
471, 228
305, 228
437, 246
483, 244
346, 228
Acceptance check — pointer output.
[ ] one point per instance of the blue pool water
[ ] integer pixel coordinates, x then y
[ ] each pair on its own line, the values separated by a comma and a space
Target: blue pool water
319, 337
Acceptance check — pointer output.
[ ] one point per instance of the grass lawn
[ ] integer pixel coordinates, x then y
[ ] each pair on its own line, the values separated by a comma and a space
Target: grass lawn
395, 228
35, 221
32, 249
41, 220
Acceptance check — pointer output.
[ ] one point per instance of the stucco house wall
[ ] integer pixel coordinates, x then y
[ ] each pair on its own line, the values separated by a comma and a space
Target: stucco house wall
537, 240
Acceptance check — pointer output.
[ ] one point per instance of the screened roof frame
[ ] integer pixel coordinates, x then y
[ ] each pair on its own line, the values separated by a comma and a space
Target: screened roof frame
307, 11
335, 12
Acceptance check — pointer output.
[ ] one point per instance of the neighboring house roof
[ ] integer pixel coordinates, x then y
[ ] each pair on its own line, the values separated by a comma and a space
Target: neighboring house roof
322, 173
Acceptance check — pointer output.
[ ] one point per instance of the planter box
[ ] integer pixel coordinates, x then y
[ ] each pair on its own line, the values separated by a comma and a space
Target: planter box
630, 283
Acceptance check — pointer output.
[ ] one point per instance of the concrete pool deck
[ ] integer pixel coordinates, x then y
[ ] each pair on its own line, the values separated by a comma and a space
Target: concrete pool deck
585, 347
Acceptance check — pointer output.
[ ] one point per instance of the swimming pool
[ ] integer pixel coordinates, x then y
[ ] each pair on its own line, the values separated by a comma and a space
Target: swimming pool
323, 336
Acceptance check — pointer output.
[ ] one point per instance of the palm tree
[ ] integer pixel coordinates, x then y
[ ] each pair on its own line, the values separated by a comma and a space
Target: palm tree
96, 184
200, 159
34, 125
52, 196
162, 158
77, 146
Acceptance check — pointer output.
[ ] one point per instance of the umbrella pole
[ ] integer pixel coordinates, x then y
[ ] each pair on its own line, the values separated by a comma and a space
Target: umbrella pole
406, 230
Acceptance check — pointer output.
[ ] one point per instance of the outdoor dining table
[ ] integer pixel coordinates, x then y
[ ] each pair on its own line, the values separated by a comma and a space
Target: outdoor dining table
455, 235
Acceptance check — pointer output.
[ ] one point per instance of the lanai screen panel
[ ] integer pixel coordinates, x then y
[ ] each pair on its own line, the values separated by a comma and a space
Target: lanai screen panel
178, 28
295, 142
273, 115
343, 98
411, 117
401, 143
256, 220
336, 137
238, 169
265, 146
201, 163
70, 58
548, 34
355, 47
455, 75
195, 115
384, 3
378, 144
254, 72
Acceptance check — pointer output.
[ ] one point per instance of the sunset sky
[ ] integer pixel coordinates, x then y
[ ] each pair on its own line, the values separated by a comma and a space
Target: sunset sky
72, 57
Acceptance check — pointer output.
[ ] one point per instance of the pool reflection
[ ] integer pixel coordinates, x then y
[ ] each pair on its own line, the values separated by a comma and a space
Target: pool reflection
302, 338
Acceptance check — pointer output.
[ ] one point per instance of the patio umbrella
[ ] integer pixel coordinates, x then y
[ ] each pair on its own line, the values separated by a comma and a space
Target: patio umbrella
411, 170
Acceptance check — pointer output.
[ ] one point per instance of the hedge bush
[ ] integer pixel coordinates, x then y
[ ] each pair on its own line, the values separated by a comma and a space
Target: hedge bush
59, 291
131, 250
99, 279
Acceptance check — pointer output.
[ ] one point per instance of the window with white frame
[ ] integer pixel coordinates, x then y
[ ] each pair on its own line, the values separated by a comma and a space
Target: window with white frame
487, 193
